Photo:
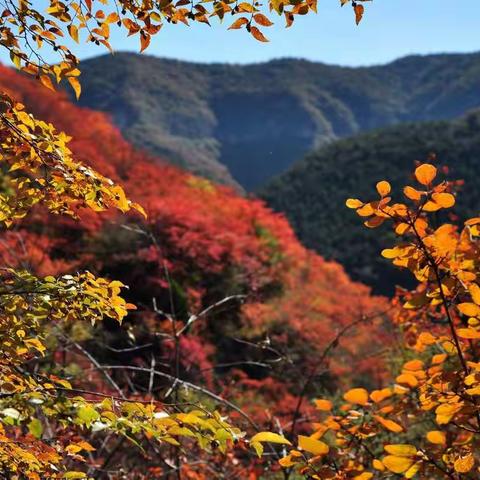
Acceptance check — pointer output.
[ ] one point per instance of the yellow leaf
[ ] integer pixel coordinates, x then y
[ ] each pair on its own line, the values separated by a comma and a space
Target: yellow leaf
383, 188
397, 464
401, 450
364, 476
354, 203
437, 437
313, 446
269, 437
425, 173
445, 412
258, 447
412, 470
75, 84
246, 7
357, 395
391, 252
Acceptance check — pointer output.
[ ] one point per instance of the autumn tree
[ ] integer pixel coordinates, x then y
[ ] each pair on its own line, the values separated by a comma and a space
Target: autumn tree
426, 423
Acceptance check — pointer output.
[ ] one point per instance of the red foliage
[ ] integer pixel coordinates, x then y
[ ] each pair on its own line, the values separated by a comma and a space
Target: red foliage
212, 242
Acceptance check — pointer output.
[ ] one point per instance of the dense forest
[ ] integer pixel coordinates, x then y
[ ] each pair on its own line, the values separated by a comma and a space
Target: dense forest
312, 193
160, 321
200, 244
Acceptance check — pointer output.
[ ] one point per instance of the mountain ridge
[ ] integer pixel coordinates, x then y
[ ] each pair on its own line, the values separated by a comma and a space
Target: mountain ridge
312, 192
243, 124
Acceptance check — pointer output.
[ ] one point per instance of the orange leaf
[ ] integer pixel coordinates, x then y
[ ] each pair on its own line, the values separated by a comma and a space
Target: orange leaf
47, 82
323, 404
413, 365
464, 464
144, 41
469, 309
436, 437
412, 193
374, 222
445, 200
258, 35
357, 395
238, 23
407, 379
468, 333
388, 424
383, 188
378, 395
425, 173
73, 31
262, 20
358, 9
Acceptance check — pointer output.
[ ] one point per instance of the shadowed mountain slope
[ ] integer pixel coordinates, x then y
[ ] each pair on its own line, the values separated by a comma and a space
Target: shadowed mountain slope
245, 124
313, 192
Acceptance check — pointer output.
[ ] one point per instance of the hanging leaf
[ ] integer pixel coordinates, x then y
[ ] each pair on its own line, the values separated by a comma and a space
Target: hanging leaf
258, 35
75, 84
262, 20
238, 23
358, 9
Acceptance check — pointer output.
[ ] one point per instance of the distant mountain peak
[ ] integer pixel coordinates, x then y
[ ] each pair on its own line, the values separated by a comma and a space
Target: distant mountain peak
243, 124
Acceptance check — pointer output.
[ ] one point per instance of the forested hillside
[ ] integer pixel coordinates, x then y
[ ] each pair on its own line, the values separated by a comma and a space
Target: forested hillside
244, 124
313, 192
200, 244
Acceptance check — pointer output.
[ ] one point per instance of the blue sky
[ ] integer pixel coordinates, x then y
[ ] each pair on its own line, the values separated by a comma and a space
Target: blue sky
390, 29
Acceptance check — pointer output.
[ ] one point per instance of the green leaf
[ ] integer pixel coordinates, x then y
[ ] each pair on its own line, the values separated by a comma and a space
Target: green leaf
87, 414
35, 427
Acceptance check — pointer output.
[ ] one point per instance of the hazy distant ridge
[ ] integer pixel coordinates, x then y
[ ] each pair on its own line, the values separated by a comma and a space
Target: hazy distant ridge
248, 123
